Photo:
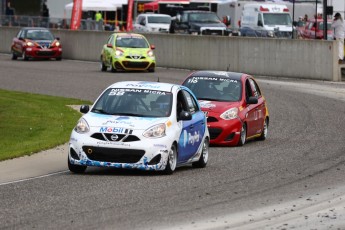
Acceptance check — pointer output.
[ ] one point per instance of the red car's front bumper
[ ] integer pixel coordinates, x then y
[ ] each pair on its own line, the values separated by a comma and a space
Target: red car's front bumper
224, 132
35, 52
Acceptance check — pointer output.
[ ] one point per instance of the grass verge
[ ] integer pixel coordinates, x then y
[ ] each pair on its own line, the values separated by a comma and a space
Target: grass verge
30, 123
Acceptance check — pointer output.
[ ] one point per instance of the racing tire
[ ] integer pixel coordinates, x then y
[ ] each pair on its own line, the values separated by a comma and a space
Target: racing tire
25, 58
104, 68
202, 162
264, 132
243, 135
113, 69
152, 70
14, 56
58, 59
76, 168
172, 161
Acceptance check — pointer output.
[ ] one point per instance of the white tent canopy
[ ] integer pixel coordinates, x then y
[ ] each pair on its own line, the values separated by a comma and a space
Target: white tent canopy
99, 5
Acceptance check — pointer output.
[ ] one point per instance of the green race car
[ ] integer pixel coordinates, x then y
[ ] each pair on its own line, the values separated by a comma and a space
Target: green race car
128, 51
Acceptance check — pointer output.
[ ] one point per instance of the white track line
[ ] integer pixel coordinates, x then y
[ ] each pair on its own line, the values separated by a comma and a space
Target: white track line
33, 178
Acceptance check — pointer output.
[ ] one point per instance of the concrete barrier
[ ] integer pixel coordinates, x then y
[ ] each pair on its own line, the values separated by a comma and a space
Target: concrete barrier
309, 59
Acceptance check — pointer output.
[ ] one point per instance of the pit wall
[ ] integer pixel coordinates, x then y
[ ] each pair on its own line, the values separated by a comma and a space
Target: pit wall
290, 58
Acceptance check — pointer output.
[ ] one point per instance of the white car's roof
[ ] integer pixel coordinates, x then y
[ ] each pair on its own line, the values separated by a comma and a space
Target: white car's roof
155, 15
167, 87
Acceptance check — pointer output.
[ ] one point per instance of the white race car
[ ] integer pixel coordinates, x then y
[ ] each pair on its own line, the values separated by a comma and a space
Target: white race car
140, 125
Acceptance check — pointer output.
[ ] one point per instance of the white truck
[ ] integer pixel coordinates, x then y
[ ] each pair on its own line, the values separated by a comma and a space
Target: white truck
152, 23
266, 20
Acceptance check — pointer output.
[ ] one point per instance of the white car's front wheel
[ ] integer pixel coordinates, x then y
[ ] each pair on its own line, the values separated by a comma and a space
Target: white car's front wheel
172, 160
76, 168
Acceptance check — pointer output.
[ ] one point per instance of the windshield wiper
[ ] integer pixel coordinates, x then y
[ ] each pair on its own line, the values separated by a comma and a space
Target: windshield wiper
207, 99
101, 111
127, 114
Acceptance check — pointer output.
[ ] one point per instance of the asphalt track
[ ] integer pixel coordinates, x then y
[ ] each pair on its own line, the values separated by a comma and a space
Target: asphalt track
293, 180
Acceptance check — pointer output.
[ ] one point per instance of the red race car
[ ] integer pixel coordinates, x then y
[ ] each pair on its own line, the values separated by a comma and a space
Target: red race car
234, 105
35, 42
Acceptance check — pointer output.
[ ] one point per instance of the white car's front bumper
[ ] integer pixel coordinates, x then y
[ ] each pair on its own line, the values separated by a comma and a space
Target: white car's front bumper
144, 154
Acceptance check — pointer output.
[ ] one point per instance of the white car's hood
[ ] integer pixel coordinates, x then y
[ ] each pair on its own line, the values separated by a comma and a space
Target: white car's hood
105, 122
280, 27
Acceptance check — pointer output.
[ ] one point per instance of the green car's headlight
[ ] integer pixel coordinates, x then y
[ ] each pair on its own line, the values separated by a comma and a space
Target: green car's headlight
155, 131
150, 53
118, 52
82, 126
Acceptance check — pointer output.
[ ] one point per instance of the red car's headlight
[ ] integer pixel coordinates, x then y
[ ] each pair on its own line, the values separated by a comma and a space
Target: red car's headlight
230, 114
30, 44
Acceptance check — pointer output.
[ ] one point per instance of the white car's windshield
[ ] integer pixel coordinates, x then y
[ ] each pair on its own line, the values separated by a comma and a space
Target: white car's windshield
134, 102
215, 89
272, 19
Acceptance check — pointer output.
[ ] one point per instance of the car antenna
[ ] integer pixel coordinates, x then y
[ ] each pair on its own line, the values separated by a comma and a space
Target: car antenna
158, 79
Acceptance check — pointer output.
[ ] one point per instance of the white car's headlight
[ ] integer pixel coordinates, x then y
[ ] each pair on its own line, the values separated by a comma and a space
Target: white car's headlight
82, 126
230, 114
155, 131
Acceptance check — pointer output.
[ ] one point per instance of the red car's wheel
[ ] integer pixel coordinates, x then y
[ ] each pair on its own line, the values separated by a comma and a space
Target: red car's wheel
264, 133
243, 135
14, 56
25, 57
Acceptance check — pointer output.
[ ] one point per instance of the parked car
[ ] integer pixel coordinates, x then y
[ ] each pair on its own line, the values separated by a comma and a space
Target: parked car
128, 51
198, 22
235, 107
152, 23
36, 42
140, 125
314, 29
